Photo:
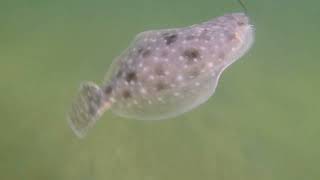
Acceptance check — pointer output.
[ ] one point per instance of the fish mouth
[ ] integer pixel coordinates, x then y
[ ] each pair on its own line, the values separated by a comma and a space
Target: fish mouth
246, 37
240, 18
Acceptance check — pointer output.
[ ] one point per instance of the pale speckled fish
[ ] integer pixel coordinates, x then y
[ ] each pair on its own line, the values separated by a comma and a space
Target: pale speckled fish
164, 73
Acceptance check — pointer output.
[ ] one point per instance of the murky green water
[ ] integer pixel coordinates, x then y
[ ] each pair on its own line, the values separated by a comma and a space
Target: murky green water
262, 123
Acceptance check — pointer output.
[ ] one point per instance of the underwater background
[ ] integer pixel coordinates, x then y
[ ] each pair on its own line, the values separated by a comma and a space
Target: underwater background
262, 123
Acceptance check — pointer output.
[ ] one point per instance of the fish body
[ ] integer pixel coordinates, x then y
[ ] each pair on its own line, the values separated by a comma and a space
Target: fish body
164, 73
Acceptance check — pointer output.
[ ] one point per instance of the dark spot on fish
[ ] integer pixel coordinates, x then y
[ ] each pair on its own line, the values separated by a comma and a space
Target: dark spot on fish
221, 55
194, 72
139, 51
161, 86
119, 73
190, 37
164, 53
240, 23
108, 90
126, 94
92, 111
170, 38
159, 70
94, 103
191, 55
205, 35
146, 53
131, 76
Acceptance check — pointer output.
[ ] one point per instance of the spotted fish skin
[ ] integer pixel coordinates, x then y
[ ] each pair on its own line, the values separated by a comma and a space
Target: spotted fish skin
164, 73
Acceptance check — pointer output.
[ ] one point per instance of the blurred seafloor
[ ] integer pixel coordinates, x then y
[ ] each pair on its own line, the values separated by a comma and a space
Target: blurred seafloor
262, 123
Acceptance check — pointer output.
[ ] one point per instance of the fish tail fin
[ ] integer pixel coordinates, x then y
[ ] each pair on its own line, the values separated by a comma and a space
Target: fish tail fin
88, 106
